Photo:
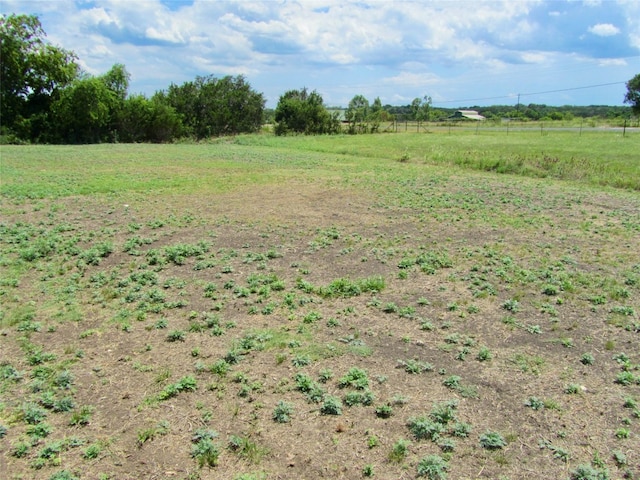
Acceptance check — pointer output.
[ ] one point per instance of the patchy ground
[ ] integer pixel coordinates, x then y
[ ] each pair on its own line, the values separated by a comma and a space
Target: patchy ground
476, 326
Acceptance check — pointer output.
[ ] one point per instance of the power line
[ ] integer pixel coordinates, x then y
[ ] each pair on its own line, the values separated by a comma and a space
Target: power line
528, 94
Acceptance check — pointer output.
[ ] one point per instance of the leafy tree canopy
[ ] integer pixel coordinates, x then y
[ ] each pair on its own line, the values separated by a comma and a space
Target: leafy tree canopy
31, 71
213, 106
632, 96
301, 111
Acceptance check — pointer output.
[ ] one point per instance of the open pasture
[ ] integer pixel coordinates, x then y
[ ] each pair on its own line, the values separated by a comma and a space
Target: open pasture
437, 305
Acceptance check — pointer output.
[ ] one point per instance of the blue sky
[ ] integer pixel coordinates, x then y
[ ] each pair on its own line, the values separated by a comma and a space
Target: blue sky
460, 53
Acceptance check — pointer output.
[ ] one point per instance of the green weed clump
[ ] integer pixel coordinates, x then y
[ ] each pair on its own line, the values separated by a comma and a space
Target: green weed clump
344, 287
434, 467
492, 440
282, 413
185, 384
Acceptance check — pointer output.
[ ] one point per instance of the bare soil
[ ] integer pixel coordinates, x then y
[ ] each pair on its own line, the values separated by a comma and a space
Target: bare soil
120, 360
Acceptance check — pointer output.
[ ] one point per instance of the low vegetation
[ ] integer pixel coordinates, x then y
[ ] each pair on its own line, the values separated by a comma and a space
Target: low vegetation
278, 307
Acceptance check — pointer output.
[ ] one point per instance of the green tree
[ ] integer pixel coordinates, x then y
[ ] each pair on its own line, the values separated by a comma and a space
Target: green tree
32, 72
212, 107
632, 97
301, 111
357, 114
147, 120
420, 108
88, 110
83, 112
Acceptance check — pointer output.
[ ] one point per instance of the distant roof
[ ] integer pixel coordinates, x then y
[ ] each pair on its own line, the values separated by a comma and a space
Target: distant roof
470, 114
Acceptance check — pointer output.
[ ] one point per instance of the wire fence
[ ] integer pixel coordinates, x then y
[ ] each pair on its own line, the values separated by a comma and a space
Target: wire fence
505, 126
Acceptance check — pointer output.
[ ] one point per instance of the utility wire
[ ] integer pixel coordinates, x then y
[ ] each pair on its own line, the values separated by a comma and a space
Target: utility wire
528, 94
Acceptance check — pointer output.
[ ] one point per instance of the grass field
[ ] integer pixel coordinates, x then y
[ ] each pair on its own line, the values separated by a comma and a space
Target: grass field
438, 305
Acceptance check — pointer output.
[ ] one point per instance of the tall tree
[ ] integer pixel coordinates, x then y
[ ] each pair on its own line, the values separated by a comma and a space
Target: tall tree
420, 108
212, 107
301, 111
357, 114
147, 120
632, 96
87, 111
32, 72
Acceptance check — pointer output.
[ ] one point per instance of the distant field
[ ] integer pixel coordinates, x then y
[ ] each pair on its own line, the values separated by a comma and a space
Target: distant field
448, 304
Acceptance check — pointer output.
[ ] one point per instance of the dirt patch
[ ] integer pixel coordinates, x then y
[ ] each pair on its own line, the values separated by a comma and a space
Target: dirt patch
208, 312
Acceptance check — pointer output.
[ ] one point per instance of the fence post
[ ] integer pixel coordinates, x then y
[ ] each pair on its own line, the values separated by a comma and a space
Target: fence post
624, 129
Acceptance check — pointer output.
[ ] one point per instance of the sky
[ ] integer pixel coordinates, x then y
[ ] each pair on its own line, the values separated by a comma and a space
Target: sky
459, 53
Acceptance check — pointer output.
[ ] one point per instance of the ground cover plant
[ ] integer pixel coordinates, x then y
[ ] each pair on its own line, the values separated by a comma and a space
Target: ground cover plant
304, 307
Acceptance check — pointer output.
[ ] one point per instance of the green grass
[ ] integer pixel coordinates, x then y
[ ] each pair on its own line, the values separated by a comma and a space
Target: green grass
58, 171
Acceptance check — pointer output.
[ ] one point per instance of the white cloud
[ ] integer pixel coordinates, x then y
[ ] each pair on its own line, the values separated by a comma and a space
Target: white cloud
386, 48
612, 62
604, 29
413, 79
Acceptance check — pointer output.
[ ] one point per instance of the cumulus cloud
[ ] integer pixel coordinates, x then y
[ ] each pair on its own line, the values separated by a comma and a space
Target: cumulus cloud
604, 29
399, 47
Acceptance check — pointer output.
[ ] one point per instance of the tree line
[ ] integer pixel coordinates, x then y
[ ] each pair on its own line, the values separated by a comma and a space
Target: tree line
45, 97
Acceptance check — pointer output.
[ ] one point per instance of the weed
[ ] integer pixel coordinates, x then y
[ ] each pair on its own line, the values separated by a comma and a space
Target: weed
425, 428
246, 448
529, 363
535, 403
282, 412
414, 366
358, 398
33, 414
356, 378
484, 354
206, 452
587, 472
82, 416
384, 411
92, 451
176, 336
433, 467
622, 433
63, 475
38, 431
185, 384
492, 440
511, 305
367, 471
331, 406
399, 451
587, 359
461, 429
